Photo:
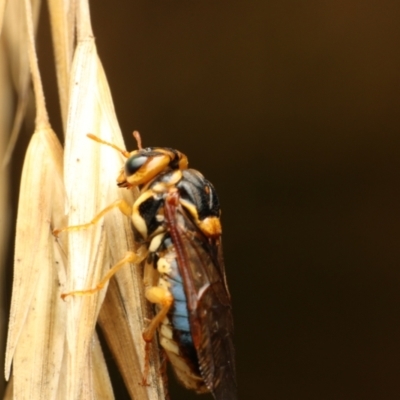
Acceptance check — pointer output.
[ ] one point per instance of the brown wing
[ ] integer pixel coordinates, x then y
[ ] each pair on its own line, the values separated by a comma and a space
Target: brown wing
200, 264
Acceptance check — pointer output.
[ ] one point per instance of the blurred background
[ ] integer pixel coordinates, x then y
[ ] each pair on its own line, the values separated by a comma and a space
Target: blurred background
292, 110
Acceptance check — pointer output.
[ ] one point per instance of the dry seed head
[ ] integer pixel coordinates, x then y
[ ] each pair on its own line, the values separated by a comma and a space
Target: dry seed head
90, 173
37, 283
6, 100
52, 344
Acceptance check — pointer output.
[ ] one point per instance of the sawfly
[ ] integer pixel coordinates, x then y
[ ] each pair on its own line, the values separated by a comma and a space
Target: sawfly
176, 218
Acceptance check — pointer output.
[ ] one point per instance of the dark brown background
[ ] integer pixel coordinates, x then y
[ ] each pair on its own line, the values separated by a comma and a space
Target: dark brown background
291, 109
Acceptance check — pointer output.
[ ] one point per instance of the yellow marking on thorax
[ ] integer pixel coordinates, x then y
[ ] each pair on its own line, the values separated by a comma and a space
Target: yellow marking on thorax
155, 242
140, 224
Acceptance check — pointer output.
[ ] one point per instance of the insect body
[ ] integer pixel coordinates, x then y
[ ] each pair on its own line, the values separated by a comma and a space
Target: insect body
176, 218
185, 262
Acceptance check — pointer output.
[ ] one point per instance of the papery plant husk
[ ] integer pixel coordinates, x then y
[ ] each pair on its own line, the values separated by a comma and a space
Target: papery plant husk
52, 348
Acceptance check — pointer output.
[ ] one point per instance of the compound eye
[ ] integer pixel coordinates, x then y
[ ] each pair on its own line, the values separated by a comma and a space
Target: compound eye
134, 163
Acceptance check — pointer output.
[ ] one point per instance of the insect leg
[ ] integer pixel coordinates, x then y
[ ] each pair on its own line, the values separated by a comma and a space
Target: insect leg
156, 295
122, 205
130, 257
164, 298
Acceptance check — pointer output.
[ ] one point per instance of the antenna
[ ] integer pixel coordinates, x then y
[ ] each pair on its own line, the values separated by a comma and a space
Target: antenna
97, 139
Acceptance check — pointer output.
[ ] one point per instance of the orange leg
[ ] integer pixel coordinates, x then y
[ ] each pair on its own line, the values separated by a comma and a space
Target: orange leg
146, 369
164, 298
130, 257
122, 205
156, 295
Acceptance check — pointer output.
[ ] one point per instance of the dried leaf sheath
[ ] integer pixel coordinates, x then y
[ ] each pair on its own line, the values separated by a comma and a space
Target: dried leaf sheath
62, 18
6, 100
37, 320
90, 176
52, 345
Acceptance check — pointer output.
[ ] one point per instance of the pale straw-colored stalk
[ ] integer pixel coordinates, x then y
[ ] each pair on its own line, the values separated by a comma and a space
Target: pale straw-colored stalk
6, 110
52, 348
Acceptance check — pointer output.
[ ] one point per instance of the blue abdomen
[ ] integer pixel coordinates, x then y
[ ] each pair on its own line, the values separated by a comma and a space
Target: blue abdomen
179, 314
